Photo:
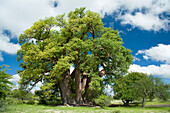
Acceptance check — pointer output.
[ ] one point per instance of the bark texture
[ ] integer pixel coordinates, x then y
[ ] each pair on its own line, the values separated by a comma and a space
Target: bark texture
66, 90
143, 102
79, 99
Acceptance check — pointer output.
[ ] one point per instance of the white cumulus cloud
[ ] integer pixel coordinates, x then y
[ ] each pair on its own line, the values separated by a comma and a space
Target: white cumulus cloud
18, 15
163, 70
145, 57
158, 53
8, 47
147, 21
15, 78
135, 58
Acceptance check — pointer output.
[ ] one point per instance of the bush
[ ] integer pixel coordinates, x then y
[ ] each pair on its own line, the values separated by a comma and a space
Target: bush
8, 101
18, 102
32, 102
103, 101
13, 101
3, 105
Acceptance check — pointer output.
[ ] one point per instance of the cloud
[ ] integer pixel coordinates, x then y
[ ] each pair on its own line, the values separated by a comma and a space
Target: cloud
135, 58
15, 78
19, 15
1, 58
145, 57
36, 87
148, 15
147, 21
163, 70
159, 53
8, 47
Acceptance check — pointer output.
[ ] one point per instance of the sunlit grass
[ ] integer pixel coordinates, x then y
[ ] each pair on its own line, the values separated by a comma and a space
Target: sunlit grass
64, 109
157, 103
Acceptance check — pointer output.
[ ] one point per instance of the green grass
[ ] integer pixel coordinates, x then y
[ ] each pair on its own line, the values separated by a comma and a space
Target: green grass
156, 103
63, 109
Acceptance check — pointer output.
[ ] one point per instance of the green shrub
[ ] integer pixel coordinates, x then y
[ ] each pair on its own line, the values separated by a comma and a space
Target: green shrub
103, 101
19, 102
3, 105
8, 101
32, 102
13, 101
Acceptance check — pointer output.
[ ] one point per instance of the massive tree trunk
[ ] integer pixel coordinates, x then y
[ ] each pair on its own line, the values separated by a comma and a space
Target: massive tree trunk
86, 94
79, 99
66, 89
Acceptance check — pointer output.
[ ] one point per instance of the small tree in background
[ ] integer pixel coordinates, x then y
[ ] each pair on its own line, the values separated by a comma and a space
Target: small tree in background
5, 86
137, 85
144, 87
162, 90
4, 81
150, 85
124, 87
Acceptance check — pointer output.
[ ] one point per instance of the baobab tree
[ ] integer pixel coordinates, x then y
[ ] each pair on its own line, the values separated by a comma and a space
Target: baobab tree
83, 42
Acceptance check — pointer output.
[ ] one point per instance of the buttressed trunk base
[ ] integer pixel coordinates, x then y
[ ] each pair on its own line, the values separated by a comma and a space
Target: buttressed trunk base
79, 99
66, 90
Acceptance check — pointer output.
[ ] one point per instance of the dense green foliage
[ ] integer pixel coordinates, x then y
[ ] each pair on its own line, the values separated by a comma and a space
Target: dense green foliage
124, 87
5, 87
21, 94
150, 85
5, 84
103, 101
137, 85
52, 98
144, 87
4, 103
82, 41
162, 90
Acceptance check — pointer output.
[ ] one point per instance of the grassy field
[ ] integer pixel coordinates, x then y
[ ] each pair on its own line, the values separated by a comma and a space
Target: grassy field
63, 109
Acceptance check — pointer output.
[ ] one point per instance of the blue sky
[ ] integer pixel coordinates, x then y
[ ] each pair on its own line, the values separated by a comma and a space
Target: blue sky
142, 24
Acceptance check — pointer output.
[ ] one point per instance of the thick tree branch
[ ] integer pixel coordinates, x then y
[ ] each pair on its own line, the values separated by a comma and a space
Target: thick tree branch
84, 81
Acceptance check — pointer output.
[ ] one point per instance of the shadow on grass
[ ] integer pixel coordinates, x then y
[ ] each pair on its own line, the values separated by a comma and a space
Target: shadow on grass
135, 104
